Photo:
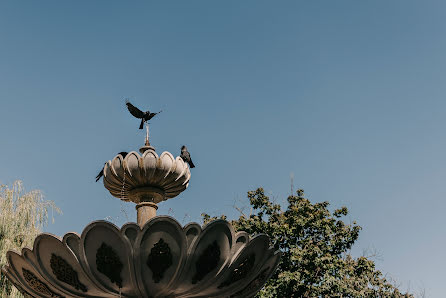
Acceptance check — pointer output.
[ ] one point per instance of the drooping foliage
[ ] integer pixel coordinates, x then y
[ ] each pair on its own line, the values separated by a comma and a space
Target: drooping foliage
22, 217
315, 246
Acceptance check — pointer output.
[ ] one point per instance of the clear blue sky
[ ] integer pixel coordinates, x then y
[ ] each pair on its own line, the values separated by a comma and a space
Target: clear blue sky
347, 95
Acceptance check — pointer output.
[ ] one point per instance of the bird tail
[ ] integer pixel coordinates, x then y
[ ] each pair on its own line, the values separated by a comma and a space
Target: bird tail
99, 175
142, 124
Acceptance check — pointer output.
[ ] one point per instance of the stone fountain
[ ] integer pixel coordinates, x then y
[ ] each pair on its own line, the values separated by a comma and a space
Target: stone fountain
155, 257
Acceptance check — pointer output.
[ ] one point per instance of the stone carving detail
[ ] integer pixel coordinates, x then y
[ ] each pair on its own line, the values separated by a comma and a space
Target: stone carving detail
174, 171
207, 261
241, 271
65, 273
108, 263
37, 285
159, 260
175, 257
255, 283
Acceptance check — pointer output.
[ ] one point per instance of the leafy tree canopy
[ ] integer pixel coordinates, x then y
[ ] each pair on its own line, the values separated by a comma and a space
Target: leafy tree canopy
315, 246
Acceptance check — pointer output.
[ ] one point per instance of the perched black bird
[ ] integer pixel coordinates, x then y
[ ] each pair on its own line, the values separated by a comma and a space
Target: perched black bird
101, 173
185, 155
144, 116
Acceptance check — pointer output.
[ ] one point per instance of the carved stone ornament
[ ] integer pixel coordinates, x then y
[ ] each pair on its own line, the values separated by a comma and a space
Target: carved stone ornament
64, 272
160, 259
241, 271
256, 283
108, 263
36, 284
133, 177
207, 261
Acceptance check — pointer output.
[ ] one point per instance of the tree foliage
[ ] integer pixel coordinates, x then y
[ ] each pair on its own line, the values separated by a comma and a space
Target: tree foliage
22, 217
315, 246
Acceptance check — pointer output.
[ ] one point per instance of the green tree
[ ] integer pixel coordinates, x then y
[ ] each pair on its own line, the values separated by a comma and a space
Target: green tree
22, 217
315, 246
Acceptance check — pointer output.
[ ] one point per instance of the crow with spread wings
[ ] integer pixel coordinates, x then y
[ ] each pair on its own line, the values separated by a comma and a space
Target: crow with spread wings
137, 113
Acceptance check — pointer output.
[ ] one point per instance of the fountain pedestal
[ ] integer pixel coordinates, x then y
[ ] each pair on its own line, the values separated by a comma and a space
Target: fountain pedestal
146, 199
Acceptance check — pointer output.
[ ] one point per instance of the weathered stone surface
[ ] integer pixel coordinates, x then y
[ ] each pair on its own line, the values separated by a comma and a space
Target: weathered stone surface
158, 260
147, 177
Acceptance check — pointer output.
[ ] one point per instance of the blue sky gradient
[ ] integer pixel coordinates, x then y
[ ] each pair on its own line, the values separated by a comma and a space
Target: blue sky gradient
347, 95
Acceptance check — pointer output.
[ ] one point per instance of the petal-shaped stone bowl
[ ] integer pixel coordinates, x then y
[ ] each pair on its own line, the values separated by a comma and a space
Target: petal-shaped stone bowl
135, 176
161, 259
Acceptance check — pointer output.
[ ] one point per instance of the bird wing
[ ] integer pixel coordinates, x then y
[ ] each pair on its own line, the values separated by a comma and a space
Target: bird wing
101, 173
149, 115
191, 164
134, 110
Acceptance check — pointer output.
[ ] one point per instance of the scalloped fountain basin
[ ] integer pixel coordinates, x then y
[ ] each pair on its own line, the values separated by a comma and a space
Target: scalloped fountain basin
161, 259
130, 178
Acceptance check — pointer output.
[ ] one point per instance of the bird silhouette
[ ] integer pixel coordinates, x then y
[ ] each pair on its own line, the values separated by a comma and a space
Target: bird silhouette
185, 155
137, 113
101, 173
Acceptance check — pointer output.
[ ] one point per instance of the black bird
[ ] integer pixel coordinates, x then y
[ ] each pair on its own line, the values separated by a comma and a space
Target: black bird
101, 173
185, 155
144, 116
